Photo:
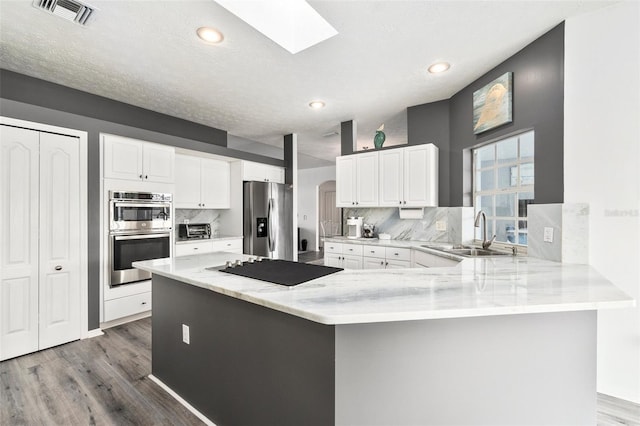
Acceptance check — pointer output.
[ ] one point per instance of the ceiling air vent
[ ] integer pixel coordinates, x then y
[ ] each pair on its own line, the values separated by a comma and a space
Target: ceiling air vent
71, 10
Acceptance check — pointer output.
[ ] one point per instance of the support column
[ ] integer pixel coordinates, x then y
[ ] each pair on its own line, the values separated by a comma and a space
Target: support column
291, 178
348, 137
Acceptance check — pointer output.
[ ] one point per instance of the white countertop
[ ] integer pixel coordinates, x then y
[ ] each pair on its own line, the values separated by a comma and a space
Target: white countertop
475, 287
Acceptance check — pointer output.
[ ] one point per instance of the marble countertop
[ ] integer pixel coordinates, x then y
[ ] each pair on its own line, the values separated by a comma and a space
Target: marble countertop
475, 287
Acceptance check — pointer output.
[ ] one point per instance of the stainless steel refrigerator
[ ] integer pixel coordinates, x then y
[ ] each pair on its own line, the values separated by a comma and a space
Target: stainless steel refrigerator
268, 220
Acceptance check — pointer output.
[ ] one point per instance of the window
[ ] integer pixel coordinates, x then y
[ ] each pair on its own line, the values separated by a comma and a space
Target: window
503, 181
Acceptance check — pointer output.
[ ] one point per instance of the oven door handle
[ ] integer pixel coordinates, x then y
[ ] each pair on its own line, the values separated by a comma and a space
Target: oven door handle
139, 236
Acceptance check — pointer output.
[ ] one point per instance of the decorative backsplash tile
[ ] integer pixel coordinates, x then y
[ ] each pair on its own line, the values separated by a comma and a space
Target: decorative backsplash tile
458, 220
570, 225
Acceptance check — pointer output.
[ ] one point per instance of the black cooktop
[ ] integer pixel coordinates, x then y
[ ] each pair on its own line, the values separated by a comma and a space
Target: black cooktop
283, 272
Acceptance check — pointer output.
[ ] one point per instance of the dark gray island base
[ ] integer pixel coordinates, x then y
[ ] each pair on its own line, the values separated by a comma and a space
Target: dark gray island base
248, 364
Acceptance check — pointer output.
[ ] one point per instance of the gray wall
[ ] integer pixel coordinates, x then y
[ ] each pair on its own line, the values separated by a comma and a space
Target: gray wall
31, 99
538, 99
429, 123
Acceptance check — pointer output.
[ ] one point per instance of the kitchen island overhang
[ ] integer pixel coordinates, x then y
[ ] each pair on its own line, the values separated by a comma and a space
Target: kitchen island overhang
440, 349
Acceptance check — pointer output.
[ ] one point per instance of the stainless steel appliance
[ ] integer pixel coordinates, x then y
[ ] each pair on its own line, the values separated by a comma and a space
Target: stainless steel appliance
134, 211
268, 220
194, 231
139, 229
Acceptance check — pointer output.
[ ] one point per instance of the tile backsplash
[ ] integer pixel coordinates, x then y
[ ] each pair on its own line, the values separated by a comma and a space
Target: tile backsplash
199, 216
458, 223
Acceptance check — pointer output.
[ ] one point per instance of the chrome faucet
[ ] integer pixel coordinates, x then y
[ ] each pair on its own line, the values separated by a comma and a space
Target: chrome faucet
485, 243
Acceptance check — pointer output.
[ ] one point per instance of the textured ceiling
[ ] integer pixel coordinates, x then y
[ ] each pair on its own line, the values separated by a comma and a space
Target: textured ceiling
147, 54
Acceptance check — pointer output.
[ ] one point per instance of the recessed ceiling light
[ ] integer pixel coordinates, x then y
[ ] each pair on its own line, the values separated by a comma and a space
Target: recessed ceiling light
210, 35
316, 104
439, 67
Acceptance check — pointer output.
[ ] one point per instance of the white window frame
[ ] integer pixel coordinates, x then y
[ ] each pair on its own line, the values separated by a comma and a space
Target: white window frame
500, 191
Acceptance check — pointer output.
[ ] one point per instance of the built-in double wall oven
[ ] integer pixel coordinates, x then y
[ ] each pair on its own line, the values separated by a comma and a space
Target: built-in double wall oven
139, 229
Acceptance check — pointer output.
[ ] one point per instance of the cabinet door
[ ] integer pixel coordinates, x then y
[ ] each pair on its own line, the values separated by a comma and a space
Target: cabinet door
59, 240
397, 264
253, 171
391, 177
158, 163
215, 184
345, 181
19, 180
367, 180
372, 263
352, 262
274, 174
187, 189
122, 158
332, 259
421, 176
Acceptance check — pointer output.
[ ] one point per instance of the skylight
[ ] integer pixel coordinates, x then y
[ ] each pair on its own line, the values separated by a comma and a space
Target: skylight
293, 24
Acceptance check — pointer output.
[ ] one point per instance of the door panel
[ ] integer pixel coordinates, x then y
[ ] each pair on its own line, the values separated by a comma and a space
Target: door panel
59, 240
345, 181
158, 163
215, 184
391, 178
367, 180
187, 189
19, 243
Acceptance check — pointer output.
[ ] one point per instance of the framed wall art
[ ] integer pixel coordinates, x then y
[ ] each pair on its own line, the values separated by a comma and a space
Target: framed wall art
492, 105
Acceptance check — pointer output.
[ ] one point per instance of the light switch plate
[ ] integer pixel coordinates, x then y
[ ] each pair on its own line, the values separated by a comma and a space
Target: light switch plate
548, 234
185, 334
441, 225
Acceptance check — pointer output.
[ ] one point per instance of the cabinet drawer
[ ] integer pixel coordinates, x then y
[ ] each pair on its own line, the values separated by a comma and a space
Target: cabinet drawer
233, 246
397, 264
333, 248
374, 251
193, 248
125, 306
393, 253
352, 249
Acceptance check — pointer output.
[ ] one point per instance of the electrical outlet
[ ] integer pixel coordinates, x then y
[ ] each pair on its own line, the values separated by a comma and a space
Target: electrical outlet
186, 221
548, 234
441, 225
185, 334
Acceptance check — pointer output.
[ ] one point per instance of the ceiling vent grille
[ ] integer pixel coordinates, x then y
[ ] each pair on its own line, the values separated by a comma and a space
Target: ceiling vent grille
71, 10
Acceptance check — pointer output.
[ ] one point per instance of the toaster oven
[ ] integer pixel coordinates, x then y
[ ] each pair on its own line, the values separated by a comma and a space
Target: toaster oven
194, 231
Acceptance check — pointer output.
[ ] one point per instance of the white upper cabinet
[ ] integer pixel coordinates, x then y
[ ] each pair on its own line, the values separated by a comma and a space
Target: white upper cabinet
420, 175
131, 159
357, 180
391, 177
262, 172
408, 177
202, 183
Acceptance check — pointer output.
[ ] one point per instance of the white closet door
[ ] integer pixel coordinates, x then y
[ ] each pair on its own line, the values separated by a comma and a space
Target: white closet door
59, 239
19, 243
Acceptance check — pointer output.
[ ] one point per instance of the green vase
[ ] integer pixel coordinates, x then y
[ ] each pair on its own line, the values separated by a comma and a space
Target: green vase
378, 139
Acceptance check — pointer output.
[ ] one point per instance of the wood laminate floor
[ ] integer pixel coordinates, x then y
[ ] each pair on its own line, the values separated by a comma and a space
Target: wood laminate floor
103, 381
98, 381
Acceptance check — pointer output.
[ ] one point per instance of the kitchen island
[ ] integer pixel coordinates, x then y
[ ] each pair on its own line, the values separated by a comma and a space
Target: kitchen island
508, 340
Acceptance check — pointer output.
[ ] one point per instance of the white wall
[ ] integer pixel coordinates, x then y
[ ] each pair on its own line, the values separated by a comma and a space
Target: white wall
308, 181
602, 168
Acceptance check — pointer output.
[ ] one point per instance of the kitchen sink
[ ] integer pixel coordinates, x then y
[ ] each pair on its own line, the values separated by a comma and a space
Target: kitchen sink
466, 251
476, 252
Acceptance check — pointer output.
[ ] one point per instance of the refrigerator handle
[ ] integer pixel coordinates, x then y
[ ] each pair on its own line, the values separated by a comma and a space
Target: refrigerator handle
270, 239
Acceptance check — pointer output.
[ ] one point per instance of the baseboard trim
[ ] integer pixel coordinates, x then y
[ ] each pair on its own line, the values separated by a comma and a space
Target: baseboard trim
93, 333
124, 320
178, 398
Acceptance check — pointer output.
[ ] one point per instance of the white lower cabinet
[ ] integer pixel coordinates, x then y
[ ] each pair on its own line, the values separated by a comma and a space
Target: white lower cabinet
366, 256
40, 245
347, 256
126, 306
380, 257
187, 248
